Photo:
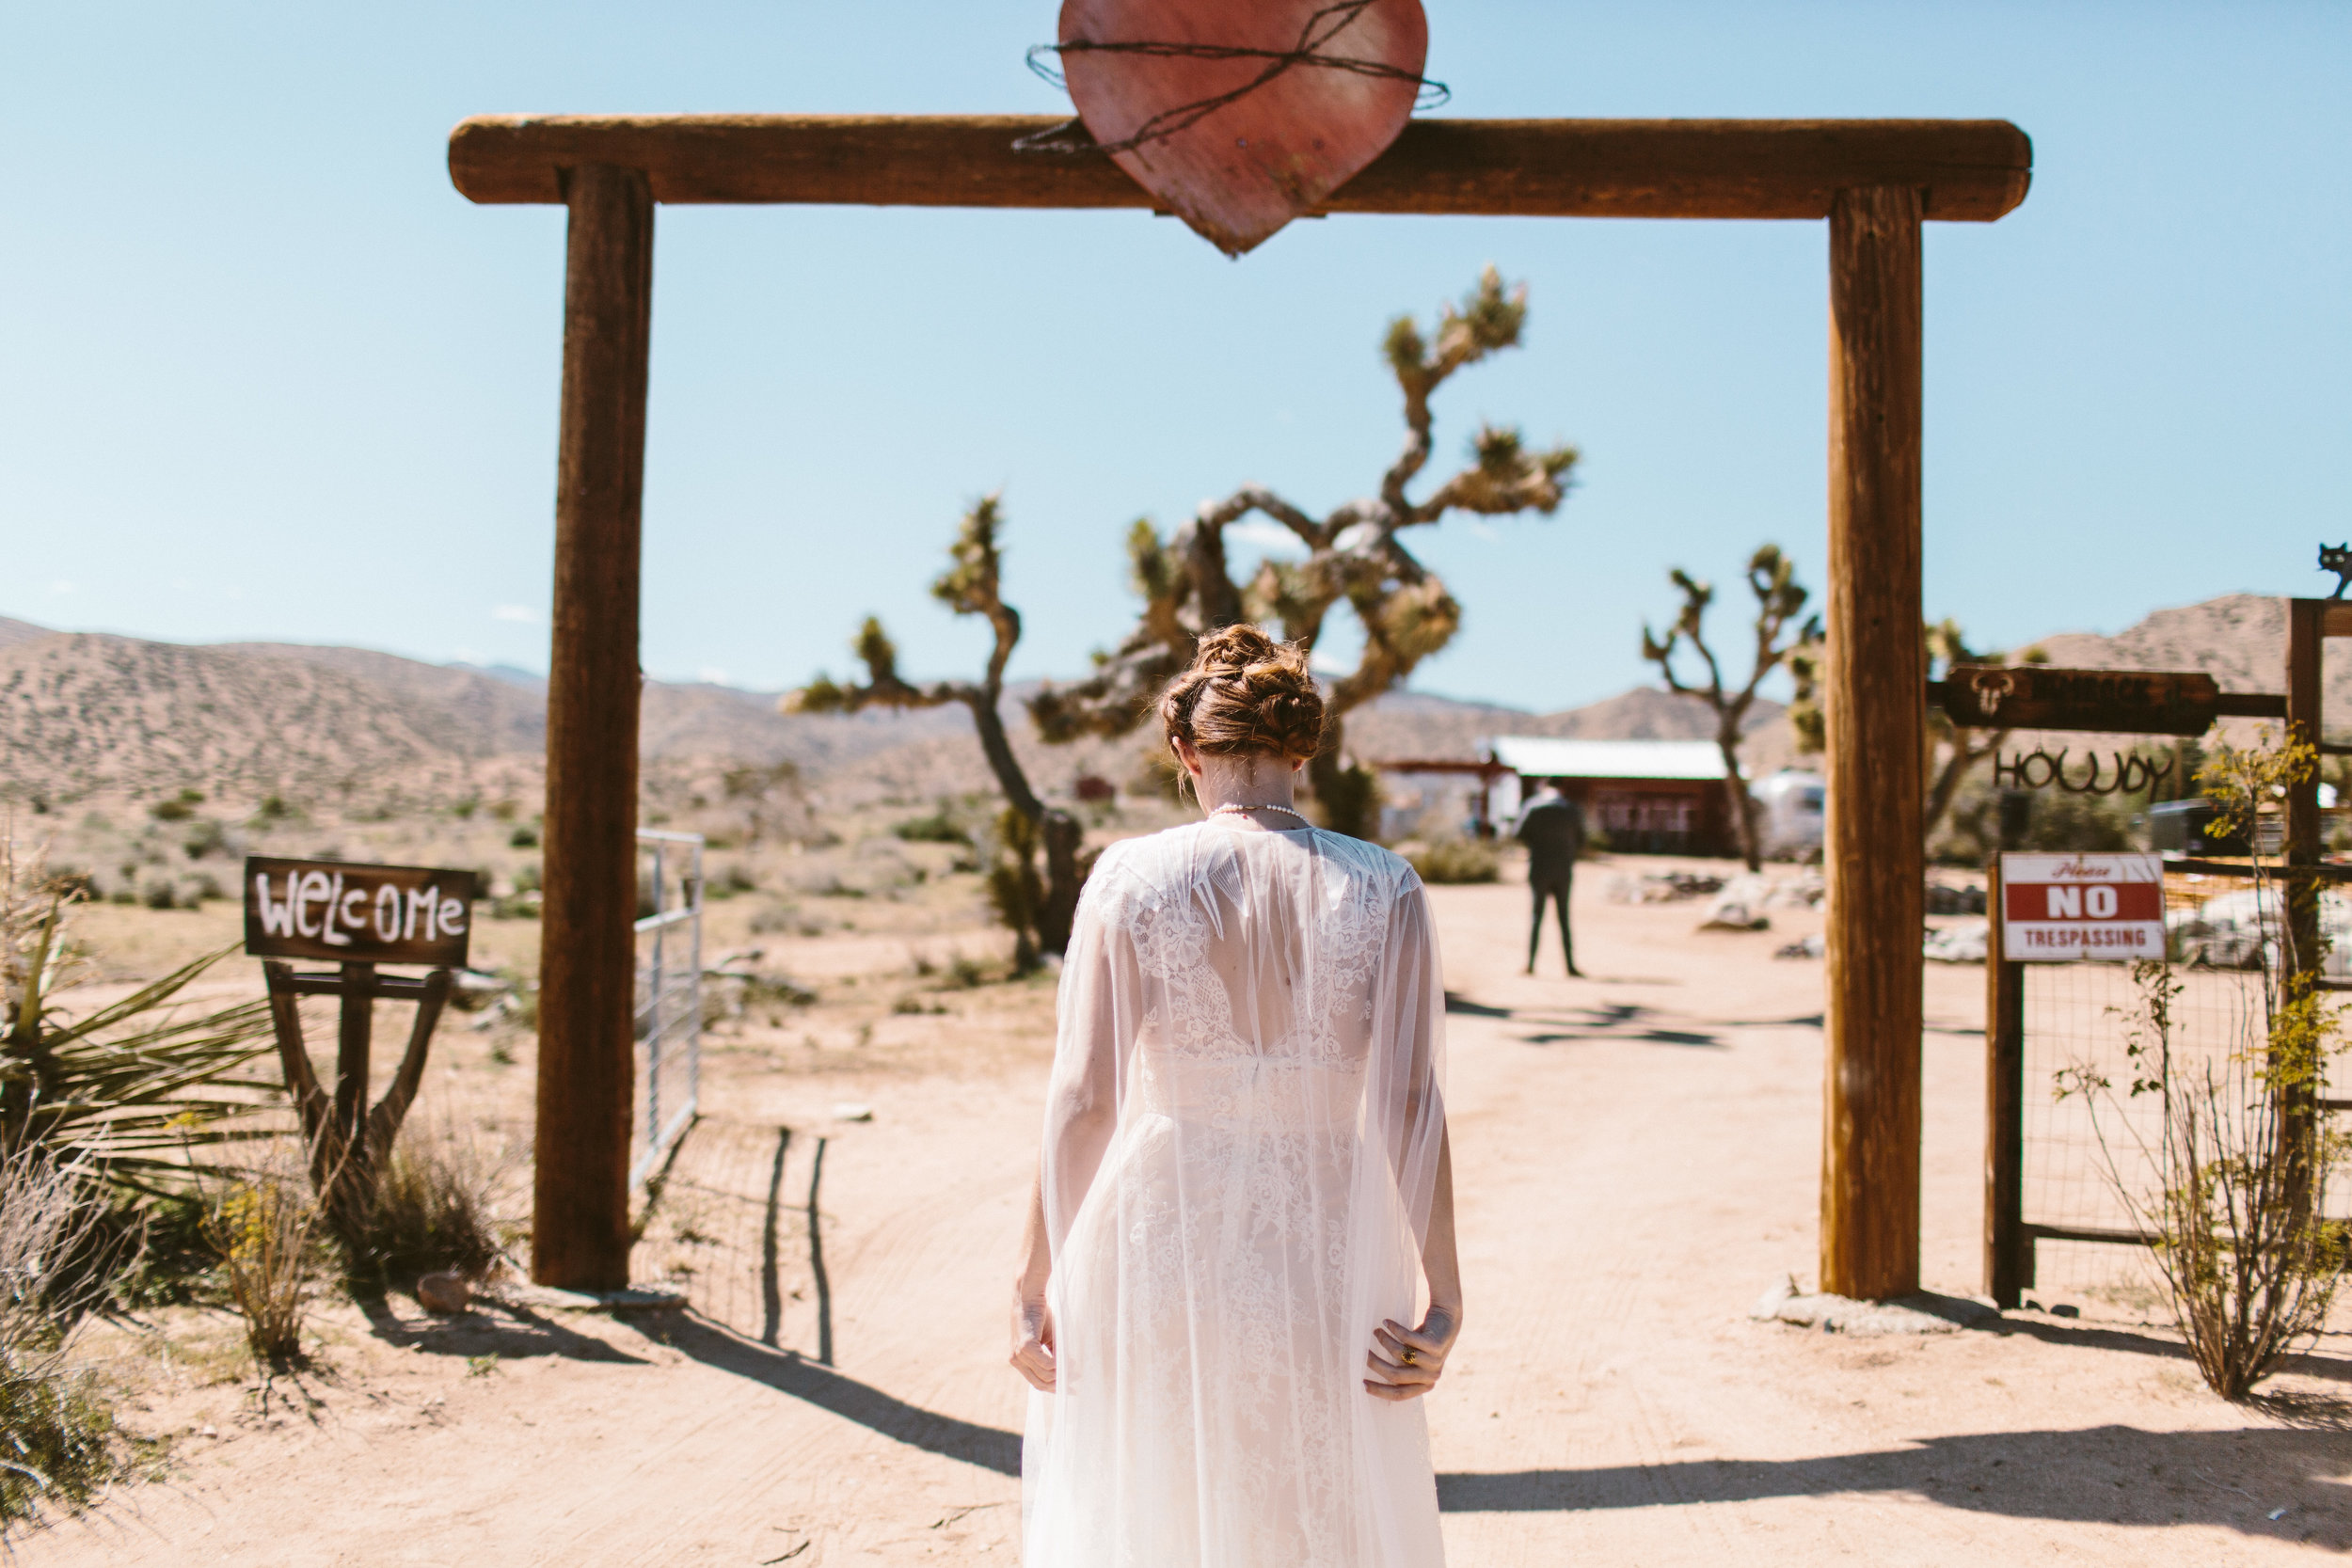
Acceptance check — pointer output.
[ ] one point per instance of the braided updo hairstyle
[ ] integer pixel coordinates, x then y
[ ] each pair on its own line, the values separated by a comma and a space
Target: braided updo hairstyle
1246, 694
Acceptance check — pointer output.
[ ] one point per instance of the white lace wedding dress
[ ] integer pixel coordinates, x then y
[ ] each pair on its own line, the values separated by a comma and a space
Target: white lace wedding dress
1241, 1141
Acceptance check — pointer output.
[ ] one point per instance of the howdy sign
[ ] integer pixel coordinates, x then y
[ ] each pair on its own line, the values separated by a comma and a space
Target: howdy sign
376, 914
2062, 906
2117, 702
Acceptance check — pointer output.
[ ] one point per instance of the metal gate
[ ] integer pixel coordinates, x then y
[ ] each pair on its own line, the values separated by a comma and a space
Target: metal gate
669, 992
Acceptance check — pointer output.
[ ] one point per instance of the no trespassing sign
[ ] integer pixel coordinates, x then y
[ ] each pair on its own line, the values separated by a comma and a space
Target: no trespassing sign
2062, 907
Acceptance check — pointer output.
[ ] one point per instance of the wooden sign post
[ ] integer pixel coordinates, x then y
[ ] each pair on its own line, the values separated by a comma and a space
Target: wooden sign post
358, 918
2116, 702
1875, 182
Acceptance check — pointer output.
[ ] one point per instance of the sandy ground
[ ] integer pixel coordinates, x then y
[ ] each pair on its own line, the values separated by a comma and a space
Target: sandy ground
1637, 1160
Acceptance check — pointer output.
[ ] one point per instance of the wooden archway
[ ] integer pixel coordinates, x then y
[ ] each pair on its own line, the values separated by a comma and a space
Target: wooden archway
1874, 180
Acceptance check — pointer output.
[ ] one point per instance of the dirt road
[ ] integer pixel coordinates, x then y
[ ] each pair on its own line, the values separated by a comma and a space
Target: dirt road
1637, 1158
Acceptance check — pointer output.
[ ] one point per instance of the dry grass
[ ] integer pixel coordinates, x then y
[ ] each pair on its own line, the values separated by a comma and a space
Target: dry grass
442, 1201
59, 1447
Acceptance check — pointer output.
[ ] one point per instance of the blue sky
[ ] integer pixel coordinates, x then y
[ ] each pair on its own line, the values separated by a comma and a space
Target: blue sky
264, 374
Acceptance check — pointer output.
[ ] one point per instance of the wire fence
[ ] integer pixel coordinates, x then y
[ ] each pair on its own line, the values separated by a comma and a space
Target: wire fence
2081, 1155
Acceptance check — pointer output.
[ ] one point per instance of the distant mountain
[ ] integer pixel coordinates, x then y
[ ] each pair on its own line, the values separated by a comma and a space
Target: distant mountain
1405, 724
2240, 640
473, 713
14, 632
511, 673
84, 714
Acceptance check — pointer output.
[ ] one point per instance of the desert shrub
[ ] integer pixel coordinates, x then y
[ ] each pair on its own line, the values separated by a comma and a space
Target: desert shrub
177, 808
1456, 860
2249, 1260
775, 990
782, 915
265, 1223
167, 1259
525, 837
939, 827
522, 1006
59, 1447
523, 899
2241, 1155
436, 1205
56, 1422
207, 837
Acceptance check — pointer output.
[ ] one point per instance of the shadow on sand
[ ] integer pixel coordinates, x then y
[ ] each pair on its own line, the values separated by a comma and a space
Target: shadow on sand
2159, 1477
506, 1329
989, 1448
1617, 1020
2156, 1477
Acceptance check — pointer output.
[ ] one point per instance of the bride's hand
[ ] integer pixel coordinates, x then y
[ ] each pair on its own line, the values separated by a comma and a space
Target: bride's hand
1033, 1340
1415, 1357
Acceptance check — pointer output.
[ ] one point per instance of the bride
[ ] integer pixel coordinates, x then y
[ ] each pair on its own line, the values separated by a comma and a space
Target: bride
1246, 1183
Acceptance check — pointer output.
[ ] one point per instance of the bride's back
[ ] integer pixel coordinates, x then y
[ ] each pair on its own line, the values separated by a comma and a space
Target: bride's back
1253, 958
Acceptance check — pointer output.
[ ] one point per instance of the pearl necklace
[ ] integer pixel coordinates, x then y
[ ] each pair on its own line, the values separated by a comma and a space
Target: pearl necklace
1238, 809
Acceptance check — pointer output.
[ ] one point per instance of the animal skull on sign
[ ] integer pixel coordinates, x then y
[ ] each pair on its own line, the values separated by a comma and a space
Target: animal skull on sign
1991, 685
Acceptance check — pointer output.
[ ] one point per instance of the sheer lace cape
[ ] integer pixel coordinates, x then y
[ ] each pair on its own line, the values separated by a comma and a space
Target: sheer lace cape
1241, 1141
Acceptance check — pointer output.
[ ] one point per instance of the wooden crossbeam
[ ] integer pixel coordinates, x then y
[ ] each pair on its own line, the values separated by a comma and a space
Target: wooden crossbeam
1875, 180
1968, 171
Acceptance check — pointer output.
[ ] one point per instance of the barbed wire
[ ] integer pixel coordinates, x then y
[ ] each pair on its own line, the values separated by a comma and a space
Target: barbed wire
1072, 136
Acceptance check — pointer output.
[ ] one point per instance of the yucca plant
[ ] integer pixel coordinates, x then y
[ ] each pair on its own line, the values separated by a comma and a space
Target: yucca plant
124, 1089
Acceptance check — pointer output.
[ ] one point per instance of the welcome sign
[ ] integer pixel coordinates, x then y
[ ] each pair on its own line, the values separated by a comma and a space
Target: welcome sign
346, 913
2056, 907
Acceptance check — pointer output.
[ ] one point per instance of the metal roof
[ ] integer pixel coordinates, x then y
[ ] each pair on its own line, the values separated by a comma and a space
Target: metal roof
1538, 756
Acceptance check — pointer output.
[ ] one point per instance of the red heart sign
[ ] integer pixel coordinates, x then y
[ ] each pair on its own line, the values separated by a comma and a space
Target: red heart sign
1148, 72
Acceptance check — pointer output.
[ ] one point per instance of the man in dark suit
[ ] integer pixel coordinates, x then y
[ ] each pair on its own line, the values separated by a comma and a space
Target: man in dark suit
1552, 828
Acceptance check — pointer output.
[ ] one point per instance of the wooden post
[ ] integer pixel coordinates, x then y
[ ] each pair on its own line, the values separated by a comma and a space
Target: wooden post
2305, 640
2306, 644
580, 1234
2006, 1262
358, 1023
1874, 682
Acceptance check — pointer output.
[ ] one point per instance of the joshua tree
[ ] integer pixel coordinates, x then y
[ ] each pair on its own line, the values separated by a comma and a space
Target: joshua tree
971, 586
1355, 554
1960, 749
1779, 598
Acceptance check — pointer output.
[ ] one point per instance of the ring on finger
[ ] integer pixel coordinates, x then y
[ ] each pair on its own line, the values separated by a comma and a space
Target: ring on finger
1406, 1355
